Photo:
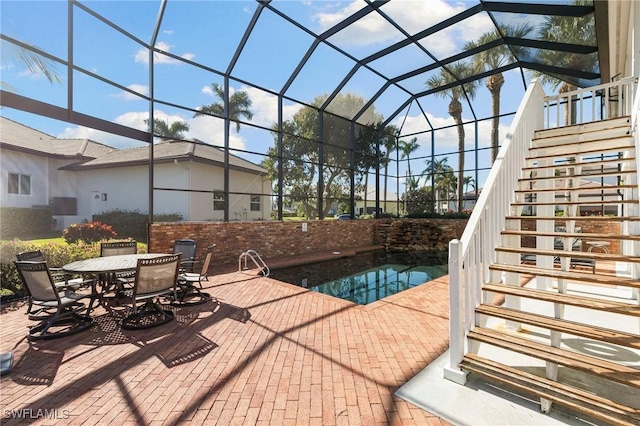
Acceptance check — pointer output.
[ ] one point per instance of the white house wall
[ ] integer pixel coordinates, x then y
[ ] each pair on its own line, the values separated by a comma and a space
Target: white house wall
126, 188
26, 164
46, 180
207, 178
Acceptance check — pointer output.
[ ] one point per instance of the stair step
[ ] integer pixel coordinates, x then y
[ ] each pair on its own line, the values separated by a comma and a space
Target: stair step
588, 331
614, 161
573, 146
584, 151
601, 279
580, 218
579, 189
585, 236
580, 176
577, 400
586, 137
605, 369
589, 137
563, 253
567, 299
575, 129
573, 203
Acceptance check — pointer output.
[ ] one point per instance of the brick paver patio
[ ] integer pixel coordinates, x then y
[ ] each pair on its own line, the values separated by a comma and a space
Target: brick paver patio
268, 353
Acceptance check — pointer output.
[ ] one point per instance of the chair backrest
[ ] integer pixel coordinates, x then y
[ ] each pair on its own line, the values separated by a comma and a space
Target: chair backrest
186, 247
207, 261
31, 256
156, 274
118, 247
38, 280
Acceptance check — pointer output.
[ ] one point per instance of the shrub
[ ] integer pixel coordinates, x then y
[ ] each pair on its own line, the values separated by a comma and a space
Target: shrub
88, 232
16, 222
133, 224
57, 254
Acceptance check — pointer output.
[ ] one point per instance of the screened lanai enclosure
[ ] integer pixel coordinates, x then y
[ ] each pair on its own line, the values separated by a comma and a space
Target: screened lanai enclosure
328, 108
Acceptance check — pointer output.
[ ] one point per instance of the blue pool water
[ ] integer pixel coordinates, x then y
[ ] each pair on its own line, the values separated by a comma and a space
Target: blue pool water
367, 277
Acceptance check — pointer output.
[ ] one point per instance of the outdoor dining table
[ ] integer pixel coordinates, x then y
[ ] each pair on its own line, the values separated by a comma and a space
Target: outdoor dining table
101, 267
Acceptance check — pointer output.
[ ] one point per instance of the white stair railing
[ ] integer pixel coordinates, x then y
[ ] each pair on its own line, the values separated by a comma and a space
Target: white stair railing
590, 104
470, 257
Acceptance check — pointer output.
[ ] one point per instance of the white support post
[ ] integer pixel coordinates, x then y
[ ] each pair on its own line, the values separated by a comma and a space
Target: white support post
456, 316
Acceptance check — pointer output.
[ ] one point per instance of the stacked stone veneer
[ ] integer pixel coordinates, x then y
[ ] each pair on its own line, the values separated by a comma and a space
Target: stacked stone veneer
420, 234
281, 239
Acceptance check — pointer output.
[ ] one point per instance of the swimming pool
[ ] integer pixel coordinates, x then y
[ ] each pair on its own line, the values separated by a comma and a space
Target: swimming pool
367, 277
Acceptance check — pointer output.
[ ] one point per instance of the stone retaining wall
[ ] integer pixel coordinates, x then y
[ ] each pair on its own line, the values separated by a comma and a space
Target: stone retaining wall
280, 239
420, 234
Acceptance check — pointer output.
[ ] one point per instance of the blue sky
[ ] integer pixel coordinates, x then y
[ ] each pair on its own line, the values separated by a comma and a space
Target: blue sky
207, 32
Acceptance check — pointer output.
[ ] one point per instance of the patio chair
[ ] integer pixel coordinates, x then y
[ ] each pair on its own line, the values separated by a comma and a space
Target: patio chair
115, 248
61, 280
154, 278
187, 293
43, 292
187, 248
122, 280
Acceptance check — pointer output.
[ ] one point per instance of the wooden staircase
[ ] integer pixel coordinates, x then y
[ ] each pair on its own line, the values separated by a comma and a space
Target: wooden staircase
561, 318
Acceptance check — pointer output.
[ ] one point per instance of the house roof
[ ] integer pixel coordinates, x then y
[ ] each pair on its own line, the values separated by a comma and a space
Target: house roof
14, 135
94, 155
193, 150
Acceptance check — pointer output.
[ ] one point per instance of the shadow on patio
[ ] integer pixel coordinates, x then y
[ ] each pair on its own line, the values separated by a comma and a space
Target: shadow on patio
266, 352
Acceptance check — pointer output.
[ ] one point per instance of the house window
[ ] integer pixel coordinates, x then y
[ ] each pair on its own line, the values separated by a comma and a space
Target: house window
19, 184
255, 203
218, 200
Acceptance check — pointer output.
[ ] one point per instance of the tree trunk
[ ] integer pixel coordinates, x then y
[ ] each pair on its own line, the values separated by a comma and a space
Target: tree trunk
455, 110
494, 84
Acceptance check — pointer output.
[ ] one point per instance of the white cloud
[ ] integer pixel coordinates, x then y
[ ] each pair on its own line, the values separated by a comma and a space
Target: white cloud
211, 130
127, 96
413, 16
142, 55
448, 137
98, 136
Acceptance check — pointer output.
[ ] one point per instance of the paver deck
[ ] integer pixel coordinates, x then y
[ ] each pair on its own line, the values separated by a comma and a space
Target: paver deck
267, 353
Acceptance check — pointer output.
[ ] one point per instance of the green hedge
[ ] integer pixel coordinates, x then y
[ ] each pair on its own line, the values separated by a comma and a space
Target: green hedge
25, 223
132, 224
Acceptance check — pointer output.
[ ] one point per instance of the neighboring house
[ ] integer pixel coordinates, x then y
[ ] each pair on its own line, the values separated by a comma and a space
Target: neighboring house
391, 205
80, 178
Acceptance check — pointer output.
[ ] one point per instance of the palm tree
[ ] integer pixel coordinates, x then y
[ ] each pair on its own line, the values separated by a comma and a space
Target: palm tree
469, 182
438, 172
453, 74
407, 149
162, 129
36, 64
239, 106
574, 31
389, 142
492, 59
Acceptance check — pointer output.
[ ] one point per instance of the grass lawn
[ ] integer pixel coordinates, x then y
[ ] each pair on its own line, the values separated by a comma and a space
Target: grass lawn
142, 247
41, 241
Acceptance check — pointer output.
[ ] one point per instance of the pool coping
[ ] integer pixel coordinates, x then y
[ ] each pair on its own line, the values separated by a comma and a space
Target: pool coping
307, 258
